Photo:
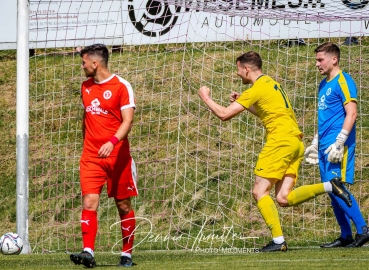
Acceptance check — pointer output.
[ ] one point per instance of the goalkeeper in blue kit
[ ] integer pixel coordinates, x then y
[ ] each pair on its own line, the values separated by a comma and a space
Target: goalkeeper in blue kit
334, 145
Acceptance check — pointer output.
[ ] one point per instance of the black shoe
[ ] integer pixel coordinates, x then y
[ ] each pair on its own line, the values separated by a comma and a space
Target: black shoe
360, 239
125, 261
339, 190
340, 242
84, 258
274, 247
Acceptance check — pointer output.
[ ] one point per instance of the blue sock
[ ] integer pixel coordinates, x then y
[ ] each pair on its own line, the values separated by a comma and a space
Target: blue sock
342, 219
353, 213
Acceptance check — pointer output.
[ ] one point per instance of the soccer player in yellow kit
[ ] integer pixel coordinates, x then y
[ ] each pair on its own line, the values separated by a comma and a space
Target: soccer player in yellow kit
280, 158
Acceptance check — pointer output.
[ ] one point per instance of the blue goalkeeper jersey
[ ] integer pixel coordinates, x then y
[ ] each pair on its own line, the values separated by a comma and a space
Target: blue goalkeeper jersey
333, 96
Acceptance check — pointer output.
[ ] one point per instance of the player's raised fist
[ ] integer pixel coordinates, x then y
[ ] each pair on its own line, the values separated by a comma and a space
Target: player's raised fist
204, 92
233, 96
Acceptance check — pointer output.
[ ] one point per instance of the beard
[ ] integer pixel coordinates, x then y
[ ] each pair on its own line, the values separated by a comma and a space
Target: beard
89, 73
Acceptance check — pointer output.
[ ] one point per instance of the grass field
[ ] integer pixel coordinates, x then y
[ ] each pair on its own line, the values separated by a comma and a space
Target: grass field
306, 258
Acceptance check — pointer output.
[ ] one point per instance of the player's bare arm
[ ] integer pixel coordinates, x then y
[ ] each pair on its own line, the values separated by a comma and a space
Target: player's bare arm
83, 124
223, 113
351, 115
122, 132
234, 96
125, 127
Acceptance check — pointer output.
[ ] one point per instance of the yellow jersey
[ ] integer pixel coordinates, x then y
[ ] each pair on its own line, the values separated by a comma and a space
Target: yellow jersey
272, 107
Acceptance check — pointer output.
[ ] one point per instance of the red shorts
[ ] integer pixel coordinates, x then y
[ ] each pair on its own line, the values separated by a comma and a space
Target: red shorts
118, 172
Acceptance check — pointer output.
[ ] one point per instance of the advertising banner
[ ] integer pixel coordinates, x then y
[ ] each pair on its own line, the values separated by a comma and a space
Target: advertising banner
57, 23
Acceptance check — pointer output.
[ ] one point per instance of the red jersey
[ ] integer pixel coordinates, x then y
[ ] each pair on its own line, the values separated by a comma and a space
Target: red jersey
103, 102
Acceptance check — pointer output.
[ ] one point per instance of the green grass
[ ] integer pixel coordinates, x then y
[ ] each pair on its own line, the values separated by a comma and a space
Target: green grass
306, 258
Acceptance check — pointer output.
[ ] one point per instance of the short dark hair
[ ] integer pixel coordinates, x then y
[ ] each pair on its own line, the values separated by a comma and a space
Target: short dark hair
251, 58
329, 47
97, 49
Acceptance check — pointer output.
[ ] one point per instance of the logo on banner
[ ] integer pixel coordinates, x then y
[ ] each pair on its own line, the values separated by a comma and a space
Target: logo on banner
154, 19
355, 4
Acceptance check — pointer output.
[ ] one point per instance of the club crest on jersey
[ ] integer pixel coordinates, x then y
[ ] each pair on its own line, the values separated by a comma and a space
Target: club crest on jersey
107, 94
95, 108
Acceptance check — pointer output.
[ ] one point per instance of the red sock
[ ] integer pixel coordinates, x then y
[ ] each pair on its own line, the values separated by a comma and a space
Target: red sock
89, 228
128, 225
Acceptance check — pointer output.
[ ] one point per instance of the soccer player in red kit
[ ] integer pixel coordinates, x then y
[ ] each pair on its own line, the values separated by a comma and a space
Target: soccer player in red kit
109, 106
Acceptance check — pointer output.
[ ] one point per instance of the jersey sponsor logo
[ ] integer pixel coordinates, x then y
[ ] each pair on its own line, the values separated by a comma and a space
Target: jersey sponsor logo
321, 103
107, 94
95, 102
95, 108
88, 90
329, 90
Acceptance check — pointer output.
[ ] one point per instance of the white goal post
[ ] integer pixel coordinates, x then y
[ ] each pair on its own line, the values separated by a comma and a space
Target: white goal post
195, 172
22, 123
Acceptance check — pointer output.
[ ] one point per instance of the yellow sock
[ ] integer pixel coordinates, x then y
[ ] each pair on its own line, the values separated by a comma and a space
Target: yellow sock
304, 193
269, 212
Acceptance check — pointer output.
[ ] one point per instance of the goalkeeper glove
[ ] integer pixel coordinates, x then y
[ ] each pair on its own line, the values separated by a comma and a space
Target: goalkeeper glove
311, 153
335, 150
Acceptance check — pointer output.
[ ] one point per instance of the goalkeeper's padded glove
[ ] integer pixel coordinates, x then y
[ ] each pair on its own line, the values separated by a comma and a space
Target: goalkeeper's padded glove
311, 153
335, 150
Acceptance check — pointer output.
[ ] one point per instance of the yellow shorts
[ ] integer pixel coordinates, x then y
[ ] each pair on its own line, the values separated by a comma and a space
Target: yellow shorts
280, 156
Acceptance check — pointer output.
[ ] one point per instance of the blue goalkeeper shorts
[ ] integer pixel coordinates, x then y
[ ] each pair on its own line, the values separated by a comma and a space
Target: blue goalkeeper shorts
344, 169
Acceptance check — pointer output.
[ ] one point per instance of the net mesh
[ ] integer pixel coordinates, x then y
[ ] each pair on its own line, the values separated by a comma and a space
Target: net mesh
195, 172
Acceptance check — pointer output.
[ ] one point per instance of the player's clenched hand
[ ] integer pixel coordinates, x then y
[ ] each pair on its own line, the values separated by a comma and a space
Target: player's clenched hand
105, 150
233, 96
204, 93
311, 153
